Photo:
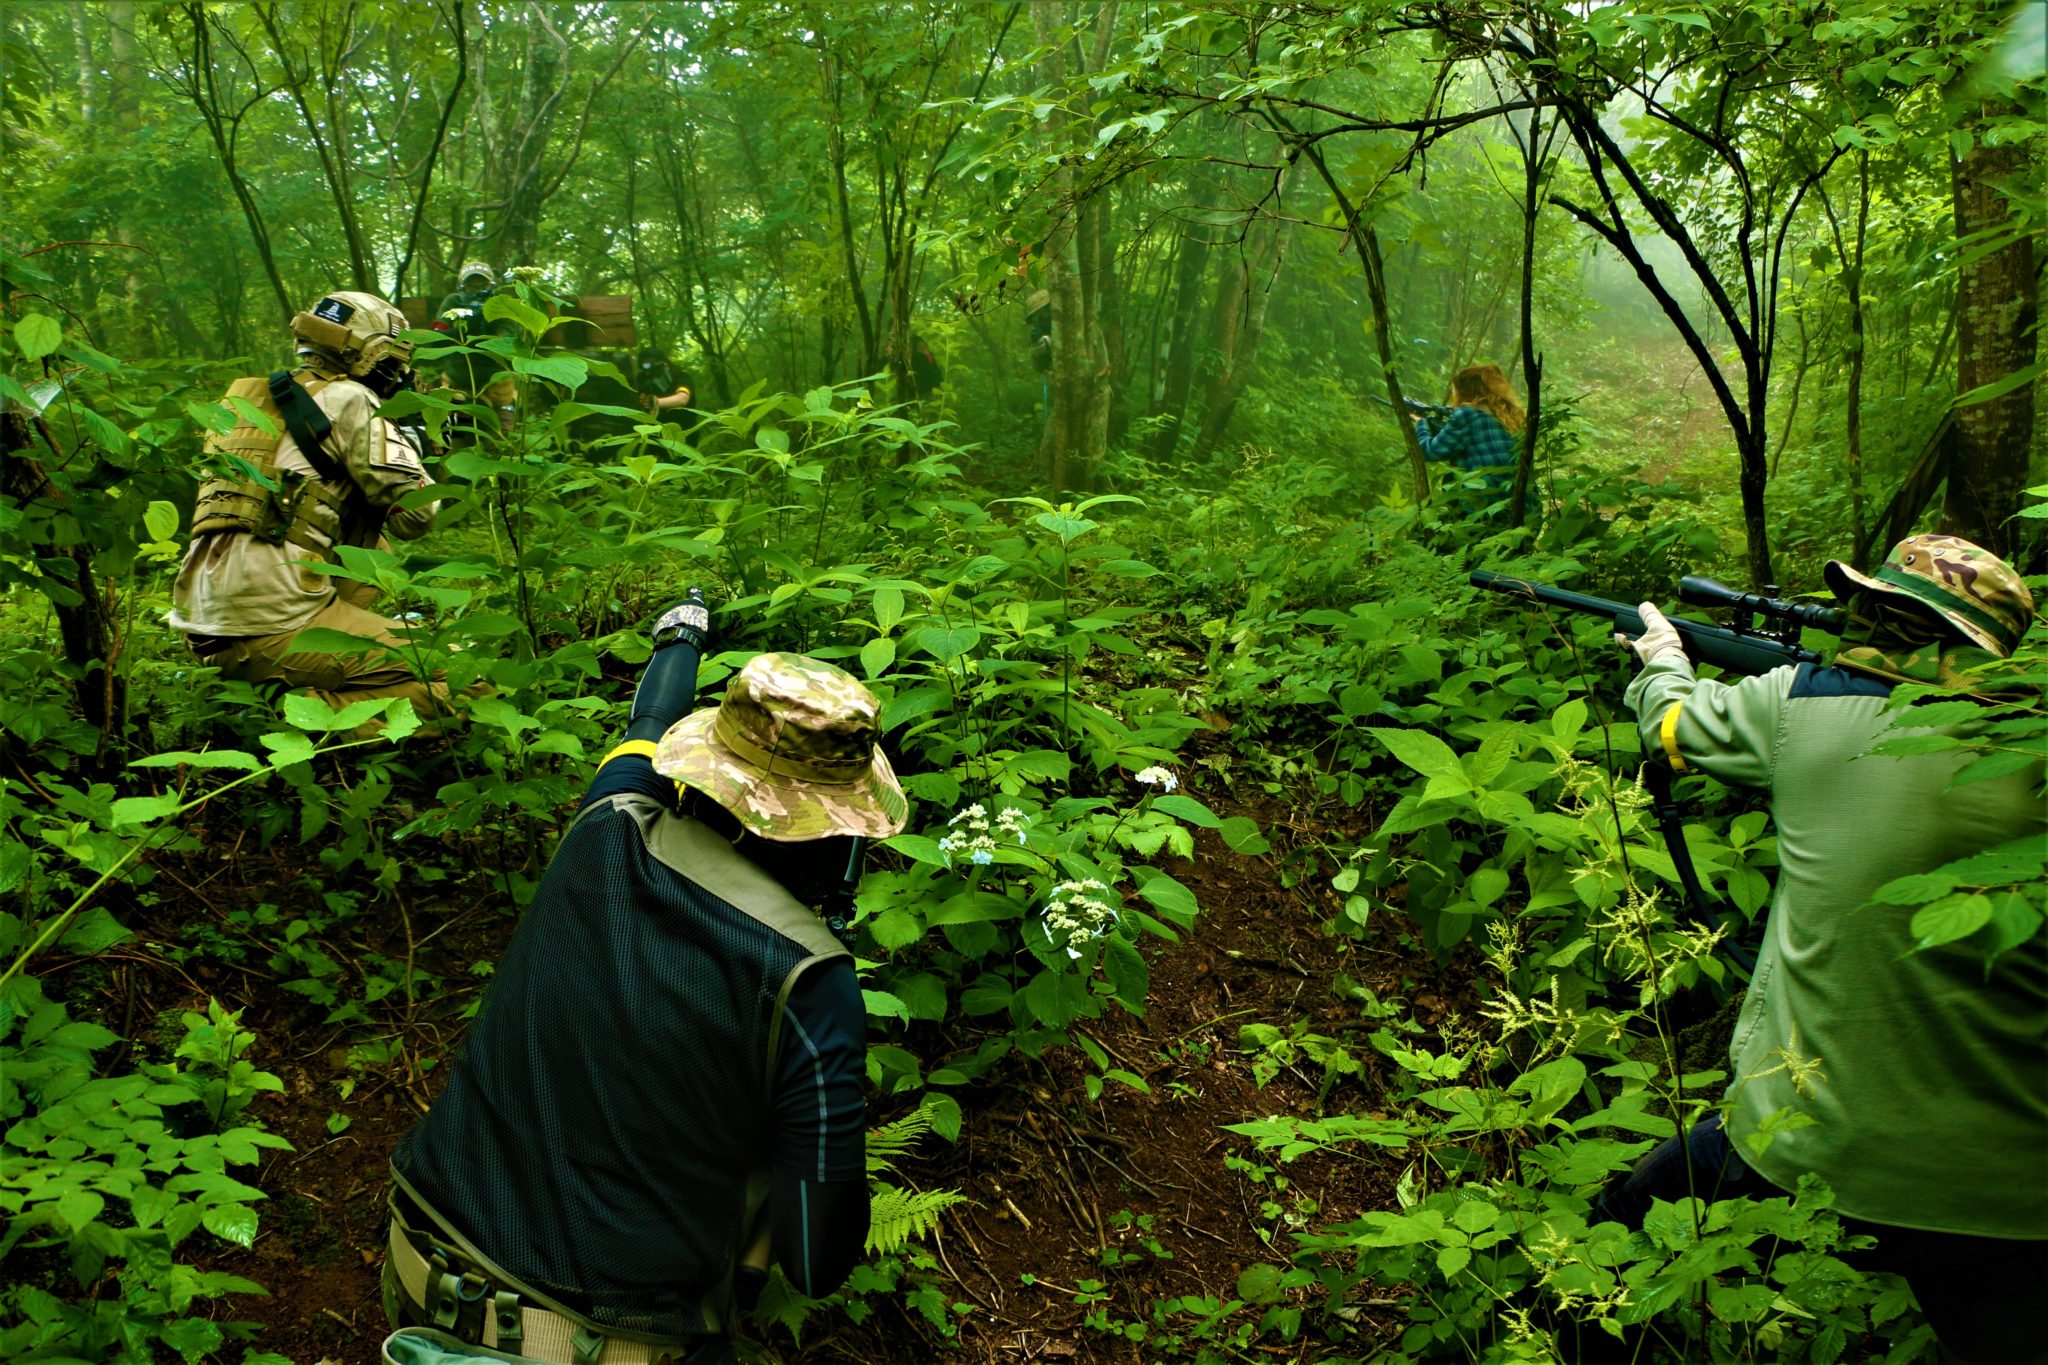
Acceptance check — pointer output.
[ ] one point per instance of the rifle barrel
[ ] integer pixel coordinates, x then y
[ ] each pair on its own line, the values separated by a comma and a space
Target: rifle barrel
1731, 650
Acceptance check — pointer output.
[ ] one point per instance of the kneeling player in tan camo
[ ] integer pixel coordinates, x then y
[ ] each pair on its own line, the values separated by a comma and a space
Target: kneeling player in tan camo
329, 473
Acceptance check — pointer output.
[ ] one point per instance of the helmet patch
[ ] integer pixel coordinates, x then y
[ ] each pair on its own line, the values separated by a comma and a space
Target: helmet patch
333, 310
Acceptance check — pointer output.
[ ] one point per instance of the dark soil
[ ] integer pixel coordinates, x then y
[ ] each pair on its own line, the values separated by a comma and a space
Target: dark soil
1047, 1170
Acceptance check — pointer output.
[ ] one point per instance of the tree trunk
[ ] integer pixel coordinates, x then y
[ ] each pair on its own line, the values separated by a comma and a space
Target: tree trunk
1182, 335
1106, 301
1382, 332
205, 95
81, 624
1244, 299
539, 97
88, 72
1367, 244
124, 93
1532, 359
1799, 370
1077, 426
835, 144
330, 138
1854, 415
1995, 315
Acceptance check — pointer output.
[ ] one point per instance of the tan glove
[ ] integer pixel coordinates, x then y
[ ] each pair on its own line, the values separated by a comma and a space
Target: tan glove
1659, 635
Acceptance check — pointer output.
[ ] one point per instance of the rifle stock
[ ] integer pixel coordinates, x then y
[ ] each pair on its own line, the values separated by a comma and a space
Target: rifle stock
1731, 650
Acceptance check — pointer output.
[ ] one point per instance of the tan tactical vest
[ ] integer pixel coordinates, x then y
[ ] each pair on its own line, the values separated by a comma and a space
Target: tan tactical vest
248, 493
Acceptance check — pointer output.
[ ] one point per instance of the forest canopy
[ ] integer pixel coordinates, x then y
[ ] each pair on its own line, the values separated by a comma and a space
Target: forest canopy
1052, 367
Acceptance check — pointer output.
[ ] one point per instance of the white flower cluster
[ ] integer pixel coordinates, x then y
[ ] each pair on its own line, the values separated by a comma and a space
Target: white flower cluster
1158, 777
1076, 912
974, 835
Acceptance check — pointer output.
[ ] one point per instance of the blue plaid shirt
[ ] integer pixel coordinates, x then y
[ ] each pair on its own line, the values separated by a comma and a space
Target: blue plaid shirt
1474, 440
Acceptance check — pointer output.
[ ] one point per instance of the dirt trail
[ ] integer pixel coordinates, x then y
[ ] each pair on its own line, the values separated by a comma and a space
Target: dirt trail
1047, 1170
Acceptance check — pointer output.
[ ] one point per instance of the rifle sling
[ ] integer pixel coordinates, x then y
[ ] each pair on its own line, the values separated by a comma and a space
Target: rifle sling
307, 424
1657, 779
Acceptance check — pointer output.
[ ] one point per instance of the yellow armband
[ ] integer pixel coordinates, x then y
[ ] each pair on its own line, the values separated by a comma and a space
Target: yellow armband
1667, 731
641, 747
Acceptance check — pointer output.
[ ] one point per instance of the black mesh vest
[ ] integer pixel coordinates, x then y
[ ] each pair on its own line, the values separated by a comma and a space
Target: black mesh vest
604, 1136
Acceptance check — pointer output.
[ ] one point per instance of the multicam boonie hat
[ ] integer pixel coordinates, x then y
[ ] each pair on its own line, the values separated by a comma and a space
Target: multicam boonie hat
792, 751
1972, 589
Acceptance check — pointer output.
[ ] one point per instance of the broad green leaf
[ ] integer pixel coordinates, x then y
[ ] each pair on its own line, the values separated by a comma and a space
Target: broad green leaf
496, 711
888, 608
1991, 767
1124, 966
1241, 833
877, 655
1915, 889
141, 810
530, 319
233, 1222
1423, 752
1951, 918
212, 416
882, 1005
1259, 1283
1486, 885
1476, 1216
401, 720
974, 907
567, 370
1188, 809
94, 931
2014, 920
1068, 528
79, 1207
38, 335
287, 748
1170, 898
946, 645
895, 928
1360, 699
160, 520
918, 848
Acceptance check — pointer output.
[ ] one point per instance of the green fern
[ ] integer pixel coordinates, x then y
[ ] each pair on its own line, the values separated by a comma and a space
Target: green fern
897, 1217
895, 1139
782, 1306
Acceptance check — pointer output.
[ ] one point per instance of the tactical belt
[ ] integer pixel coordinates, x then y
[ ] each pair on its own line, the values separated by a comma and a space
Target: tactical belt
462, 1292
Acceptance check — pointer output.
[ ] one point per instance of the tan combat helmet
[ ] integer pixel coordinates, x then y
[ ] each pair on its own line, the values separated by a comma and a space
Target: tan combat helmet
359, 332
1972, 590
792, 751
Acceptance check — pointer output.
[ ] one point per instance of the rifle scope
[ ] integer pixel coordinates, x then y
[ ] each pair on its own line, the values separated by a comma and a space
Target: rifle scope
1706, 592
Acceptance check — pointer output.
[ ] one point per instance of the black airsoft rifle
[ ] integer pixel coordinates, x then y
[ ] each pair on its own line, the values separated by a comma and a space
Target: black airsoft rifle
1415, 406
1764, 635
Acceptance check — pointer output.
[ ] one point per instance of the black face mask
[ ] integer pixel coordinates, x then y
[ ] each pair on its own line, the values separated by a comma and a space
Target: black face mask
388, 376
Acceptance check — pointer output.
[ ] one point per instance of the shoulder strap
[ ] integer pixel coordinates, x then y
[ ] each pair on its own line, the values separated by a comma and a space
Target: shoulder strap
307, 424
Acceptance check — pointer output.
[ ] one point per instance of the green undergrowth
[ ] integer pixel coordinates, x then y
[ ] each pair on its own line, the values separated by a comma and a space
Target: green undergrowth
1045, 669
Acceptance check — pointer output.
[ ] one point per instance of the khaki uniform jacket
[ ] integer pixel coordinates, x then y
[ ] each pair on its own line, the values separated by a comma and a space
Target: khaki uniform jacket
236, 585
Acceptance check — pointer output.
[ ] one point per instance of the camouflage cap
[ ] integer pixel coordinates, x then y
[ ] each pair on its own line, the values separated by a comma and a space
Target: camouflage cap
792, 751
1969, 587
